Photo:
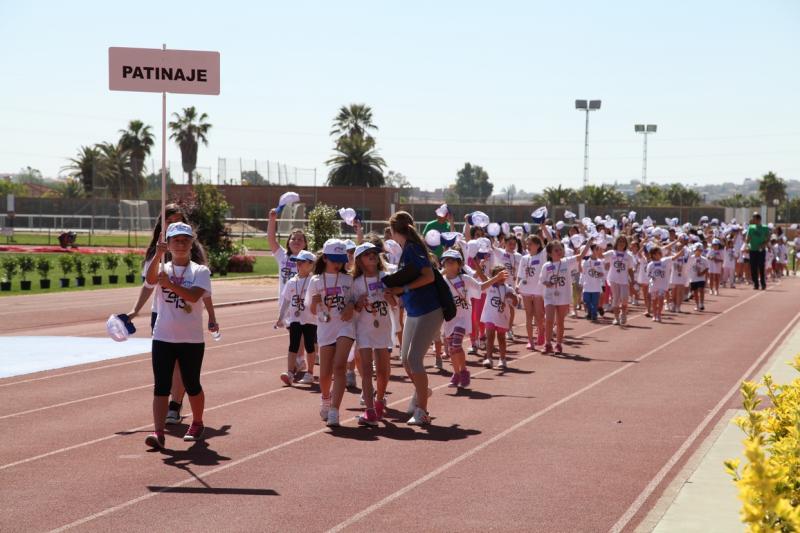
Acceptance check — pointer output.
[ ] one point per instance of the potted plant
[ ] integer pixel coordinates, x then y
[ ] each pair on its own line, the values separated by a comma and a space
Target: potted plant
219, 261
26, 266
77, 262
66, 265
9, 266
94, 266
112, 262
43, 267
131, 262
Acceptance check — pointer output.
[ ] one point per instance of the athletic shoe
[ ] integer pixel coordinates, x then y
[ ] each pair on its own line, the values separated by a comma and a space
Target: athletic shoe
455, 379
529, 346
733, 286
659, 320
623, 319
324, 408
195, 432
155, 441
369, 418
333, 418
559, 349
420, 418
287, 378
174, 413
702, 307
473, 350
501, 365
510, 335
439, 364
465, 379
487, 363
380, 408
350, 379
307, 379
615, 322
548, 348
412, 405
361, 401
482, 344
655, 319
300, 364
573, 315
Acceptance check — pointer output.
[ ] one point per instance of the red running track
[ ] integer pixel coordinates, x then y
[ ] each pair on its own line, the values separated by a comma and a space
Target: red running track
572, 443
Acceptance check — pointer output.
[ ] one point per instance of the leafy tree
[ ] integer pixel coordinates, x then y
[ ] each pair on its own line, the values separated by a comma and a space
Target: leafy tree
69, 188
207, 210
138, 140
29, 176
558, 195
85, 166
680, 195
353, 120
606, 195
649, 195
771, 187
322, 225
356, 163
740, 200
9, 187
396, 179
473, 183
114, 171
188, 130
153, 180
252, 177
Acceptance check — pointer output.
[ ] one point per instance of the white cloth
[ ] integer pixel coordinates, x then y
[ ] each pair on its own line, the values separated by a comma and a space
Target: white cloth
336, 291
594, 275
378, 309
640, 272
679, 274
658, 273
497, 309
559, 274
286, 269
620, 263
528, 274
698, 266
510, 261
294, 294
729, 257
174, 323
715, 260
464, 289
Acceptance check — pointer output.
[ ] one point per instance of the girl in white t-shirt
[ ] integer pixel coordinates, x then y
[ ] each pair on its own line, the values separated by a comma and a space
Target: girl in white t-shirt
297, 317
530, 288
594, 278
178, 330
556, 278
715, 260
641, 277
679, 276
620, 278
373, 330
330, 298
510, 258
729, 257
494, 316
698, 269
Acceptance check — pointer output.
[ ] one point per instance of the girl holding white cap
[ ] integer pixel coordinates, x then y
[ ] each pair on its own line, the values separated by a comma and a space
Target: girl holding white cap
620, 277
529, 286
330, 298
510, 258
479, 260
555, 277
679, 276
302, 325
373, 330
178, 331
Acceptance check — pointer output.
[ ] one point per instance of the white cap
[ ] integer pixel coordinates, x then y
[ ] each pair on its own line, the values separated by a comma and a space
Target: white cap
452, 254
304, 255
179, 228
392, 247
560, 225
366, 247
442, 211
348, 214
493, 229
433, 238
335, 250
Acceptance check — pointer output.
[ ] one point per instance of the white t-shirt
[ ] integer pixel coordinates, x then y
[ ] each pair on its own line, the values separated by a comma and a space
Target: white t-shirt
286, 268
509, 260
528, 273
619, 265
658, 273
294, 294
559, 274
698, 266
729, 256
377, 310
496, 310
179, 320
680, 270
336, 291
463, 288
715, 261
594, 275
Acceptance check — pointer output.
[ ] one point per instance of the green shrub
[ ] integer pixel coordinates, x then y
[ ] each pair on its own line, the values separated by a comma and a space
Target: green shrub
207, 210
131, 262
323, 224
43, 266
26, 265
94, 265
66, 264
9, 266
218, 261
112, 263
77, 262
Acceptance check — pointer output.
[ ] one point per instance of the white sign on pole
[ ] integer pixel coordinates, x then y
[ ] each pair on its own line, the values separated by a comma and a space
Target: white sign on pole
155, 70
10, 203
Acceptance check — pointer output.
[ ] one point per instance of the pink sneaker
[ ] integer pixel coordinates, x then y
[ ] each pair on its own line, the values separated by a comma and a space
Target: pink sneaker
369, 418
455, 380
559, 349
530, 347
195, 432
465, 378
380, 408
548, 348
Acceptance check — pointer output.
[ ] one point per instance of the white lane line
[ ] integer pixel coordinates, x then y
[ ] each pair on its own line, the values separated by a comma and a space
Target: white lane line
469, 453
113, 365
261, 453
669, 465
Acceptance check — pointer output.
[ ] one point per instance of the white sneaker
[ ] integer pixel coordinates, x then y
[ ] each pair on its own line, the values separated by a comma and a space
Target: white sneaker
615, 322
287, 378
300, 364
350, 379
573, 314
420, 418
487, 363
501, 365
361, 401
482, 344
173, 417
307, 379
510, 335
333, 417
324, 408
412, 404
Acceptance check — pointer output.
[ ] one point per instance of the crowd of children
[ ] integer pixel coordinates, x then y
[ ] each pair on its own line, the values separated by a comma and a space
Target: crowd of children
341, 315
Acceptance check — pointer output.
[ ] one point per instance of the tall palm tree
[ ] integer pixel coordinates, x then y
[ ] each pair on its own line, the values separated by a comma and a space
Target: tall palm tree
85, 167
138, 140
354, 119
605, 195
558, 195
188, 130
356, 163
771, 187
114, 171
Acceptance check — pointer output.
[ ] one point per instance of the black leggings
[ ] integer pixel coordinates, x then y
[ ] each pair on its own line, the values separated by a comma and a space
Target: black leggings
308, 332
757, 260
190, 360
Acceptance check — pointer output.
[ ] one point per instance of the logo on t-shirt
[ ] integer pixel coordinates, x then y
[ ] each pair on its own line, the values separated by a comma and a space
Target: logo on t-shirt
297, 301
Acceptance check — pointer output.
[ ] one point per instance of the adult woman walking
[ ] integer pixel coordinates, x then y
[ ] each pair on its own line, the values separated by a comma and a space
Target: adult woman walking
424, 315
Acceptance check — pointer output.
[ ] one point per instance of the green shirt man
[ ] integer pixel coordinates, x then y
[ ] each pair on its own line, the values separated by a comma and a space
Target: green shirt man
757, 234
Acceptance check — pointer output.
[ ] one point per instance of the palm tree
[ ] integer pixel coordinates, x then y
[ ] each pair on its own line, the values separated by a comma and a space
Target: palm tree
558, 195
680, 195
114, 171
605, 195
771, 188
85, 167
354, 119
649, 195
187, 131
356, 163
138, 140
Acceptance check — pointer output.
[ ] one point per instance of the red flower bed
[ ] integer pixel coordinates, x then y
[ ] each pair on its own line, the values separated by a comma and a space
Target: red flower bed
241, 263
60, 250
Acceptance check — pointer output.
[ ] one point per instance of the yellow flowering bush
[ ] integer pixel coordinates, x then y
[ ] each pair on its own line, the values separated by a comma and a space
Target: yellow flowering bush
769, 480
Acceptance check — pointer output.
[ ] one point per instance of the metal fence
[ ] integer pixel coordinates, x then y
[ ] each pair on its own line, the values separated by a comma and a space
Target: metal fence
238, 171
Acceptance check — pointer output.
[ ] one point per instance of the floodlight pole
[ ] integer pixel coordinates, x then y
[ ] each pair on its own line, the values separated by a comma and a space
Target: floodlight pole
645, 130
586, 105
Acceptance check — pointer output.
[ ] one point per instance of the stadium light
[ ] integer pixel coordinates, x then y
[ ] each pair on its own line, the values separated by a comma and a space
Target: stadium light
586, 105
644, 130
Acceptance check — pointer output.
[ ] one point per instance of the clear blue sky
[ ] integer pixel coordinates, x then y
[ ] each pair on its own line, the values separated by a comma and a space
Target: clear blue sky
488, 82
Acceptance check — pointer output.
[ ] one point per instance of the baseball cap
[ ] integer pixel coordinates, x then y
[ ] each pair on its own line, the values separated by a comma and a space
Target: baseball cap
350, 245
335, 250
179, 228
452, 254
366, 247
120, 327
304, 255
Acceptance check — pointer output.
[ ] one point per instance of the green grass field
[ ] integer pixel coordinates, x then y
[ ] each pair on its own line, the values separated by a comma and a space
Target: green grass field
117, 240
263, 266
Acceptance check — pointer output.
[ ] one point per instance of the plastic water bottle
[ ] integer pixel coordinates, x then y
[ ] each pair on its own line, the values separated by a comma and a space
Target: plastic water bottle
216, 335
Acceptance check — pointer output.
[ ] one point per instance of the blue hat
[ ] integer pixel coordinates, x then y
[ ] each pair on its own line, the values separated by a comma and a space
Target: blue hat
304, 255
179, 228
